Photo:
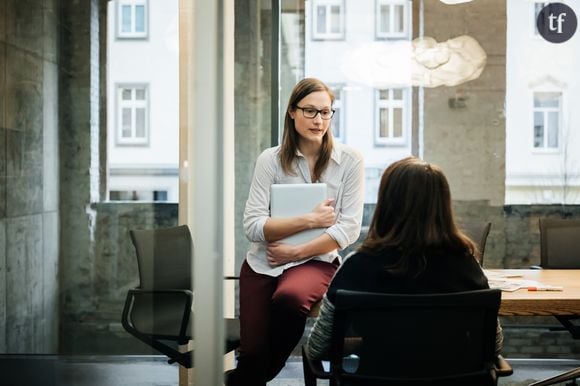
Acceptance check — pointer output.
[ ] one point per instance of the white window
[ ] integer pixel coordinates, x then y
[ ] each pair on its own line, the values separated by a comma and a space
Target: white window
393, 118
132, 19
132, 115
547, 119
328, 19
393, 19
338, 123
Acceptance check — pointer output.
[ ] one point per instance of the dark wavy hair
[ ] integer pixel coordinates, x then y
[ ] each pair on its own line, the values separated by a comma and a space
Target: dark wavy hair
290, 137
414, 216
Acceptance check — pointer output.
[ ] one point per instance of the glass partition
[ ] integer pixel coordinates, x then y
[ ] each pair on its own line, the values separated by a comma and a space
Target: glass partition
471, 87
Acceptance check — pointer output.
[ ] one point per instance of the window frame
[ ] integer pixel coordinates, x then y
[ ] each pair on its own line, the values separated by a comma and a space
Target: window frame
339, 107
133, 105
407, 27
342, 22
391, 104
120, 34
544, 111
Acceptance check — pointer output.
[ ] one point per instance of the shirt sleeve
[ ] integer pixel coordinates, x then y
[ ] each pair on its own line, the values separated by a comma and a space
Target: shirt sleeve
257, 209
346, 230
319, 339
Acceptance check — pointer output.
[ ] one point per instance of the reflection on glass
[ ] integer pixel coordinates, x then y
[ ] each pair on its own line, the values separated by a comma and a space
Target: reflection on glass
335, 19
321, 17
546, 119
126, 123
397, 94
399, 18
126, 18
538, 129
546, 99
384, 125
397, 123
553, 118
140, 123
140, 18
385, 18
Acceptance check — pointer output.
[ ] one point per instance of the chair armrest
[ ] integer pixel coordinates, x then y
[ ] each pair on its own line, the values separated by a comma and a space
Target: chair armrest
137, 291
184, 296
502, 367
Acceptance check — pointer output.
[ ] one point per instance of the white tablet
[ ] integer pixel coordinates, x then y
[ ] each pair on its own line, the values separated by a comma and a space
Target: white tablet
290, 200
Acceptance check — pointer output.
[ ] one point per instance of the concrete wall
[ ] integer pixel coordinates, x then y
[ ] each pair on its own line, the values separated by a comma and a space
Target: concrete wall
252, 101
469, 142
78, 89
29, 176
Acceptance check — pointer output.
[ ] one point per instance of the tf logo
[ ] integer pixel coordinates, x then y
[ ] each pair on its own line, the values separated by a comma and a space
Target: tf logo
556, 22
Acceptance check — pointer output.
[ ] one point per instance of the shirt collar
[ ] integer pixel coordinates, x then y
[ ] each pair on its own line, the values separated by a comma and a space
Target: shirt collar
335, 155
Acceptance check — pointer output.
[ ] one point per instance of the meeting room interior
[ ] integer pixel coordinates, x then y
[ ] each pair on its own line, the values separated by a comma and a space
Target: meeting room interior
121, 118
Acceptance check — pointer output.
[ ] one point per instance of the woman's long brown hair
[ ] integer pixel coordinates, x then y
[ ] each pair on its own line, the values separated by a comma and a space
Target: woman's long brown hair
414, 216
290, 137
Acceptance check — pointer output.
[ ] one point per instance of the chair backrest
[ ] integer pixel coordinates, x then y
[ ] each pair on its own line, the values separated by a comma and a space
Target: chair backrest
420, 339
478, 232
164, 257
560, 243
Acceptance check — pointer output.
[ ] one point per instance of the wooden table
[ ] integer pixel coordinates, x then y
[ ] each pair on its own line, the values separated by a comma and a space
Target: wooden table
561, 304
548, 303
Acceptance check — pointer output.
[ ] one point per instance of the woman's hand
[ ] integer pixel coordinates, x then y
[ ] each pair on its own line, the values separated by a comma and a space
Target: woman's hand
280, 254
323, 216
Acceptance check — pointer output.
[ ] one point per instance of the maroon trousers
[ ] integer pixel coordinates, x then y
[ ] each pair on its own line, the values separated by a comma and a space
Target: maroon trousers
273, 313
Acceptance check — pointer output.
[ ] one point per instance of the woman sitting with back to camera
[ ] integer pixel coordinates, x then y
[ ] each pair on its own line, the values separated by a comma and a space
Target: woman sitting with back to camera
413, 247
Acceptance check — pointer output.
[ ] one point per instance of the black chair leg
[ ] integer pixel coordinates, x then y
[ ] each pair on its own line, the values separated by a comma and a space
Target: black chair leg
309, 378
567, 376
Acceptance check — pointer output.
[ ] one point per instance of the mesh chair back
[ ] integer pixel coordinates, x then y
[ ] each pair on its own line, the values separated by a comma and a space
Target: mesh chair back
164, 260
164, 257
416, 338
477, 232
560, 243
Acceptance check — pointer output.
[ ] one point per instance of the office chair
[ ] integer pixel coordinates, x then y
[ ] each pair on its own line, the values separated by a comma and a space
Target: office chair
430, 339
478, 232
560, 243
560, 249
159, 311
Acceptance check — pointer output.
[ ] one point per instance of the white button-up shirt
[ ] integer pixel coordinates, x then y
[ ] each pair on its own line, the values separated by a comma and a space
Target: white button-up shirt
344, 177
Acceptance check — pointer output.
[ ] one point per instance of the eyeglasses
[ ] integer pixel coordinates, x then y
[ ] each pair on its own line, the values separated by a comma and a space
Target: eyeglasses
311, 112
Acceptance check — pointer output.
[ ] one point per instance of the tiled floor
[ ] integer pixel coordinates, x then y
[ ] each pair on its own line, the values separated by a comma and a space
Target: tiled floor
154, 371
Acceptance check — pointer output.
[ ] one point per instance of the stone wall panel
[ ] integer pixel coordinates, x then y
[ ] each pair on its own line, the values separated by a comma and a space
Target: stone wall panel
24, 24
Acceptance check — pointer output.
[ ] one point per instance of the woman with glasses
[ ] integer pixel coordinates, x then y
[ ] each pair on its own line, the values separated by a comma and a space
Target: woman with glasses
280, 282
413, 247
